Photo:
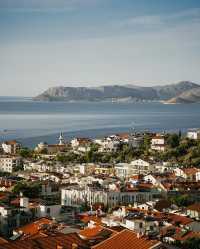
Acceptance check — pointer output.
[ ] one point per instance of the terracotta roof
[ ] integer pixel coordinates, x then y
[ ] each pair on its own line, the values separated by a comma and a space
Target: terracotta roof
194, 207
96, 231
158, 137
12, 142
88, 218
190, 171
34, 227
50, 242
182, 236
179, 219
3, 241
123, 135
126, 239
91, 232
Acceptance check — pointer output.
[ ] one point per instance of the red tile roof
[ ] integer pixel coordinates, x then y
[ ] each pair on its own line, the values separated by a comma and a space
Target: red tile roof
126, 239
65, 241
88, 218
174, 218
34, 227
3, 241
194, 207
89, 233
182, 236
190, 171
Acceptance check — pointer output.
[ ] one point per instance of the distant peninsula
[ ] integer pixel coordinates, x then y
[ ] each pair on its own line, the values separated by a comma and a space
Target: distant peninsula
181, 92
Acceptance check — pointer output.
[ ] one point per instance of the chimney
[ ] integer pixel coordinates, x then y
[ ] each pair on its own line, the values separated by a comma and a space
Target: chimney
74, 246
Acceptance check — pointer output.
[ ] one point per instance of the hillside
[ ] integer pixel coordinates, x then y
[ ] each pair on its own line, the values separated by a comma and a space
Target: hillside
191, 96
116, 92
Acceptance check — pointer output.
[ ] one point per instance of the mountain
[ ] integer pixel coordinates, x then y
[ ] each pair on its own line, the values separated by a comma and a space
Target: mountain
116, 92
191, 96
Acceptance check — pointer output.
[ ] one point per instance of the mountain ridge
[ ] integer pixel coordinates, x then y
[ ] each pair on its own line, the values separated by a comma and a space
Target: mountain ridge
117, 92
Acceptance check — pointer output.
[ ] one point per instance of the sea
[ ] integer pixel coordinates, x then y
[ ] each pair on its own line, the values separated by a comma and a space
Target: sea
31, 122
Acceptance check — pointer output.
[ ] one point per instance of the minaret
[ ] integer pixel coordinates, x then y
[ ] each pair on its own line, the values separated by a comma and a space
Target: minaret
61, 139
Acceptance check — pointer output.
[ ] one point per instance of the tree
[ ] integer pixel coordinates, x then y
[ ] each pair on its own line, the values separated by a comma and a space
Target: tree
29, 190
181, 200
173, 140
192, 243
26, 153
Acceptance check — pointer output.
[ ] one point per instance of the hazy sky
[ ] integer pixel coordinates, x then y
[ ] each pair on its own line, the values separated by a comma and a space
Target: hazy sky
47, 43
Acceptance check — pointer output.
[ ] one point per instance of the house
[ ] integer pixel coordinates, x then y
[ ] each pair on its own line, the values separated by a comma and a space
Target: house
10, 218
140, 166
86, 169
127, 239
48, 209
81, 144
193, 134
9, 163
43, 147
109, 144
39, 166
158, 143
123, 170
123, 137
104, 169
136, 140
189, 174
11, 147
141, 224
193, 211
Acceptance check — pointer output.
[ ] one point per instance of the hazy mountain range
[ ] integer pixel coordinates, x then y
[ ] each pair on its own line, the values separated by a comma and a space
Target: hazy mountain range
182, 92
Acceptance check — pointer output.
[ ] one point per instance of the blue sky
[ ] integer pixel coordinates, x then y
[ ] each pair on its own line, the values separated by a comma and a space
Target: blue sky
46, 43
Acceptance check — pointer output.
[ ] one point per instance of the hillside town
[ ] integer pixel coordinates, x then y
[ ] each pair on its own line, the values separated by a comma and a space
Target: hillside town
123, 191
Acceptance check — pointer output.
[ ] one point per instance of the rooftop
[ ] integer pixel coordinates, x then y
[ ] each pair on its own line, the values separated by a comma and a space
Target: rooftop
127, 240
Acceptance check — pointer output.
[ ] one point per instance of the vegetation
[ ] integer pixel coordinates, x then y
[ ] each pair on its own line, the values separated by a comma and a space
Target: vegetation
181, 200
192, 243
180, 151
184, 152
26, 153
31, 190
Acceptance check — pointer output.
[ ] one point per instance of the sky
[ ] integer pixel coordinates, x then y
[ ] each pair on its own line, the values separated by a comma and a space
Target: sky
46, 43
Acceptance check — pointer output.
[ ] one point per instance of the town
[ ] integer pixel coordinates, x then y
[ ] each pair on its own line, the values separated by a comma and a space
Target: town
127, 190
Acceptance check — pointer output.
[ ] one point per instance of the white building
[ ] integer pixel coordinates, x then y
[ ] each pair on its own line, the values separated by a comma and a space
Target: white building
49, 210
189, 174
86, 169
11, 147
90, 196
158, 143
193, 134
39, 166
81, 144
123, 170
135, 140
142, 167
9, 164
136, 167
109, 144
145, 225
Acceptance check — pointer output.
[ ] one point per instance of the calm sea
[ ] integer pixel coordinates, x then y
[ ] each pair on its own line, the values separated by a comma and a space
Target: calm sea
31, 122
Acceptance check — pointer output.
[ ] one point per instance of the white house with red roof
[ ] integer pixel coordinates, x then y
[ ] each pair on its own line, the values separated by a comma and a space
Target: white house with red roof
158, 142
189, 174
